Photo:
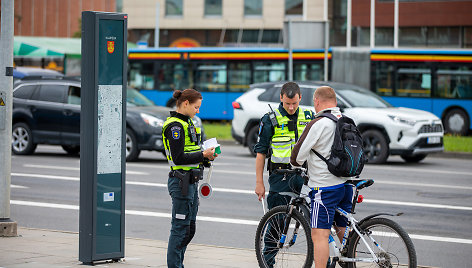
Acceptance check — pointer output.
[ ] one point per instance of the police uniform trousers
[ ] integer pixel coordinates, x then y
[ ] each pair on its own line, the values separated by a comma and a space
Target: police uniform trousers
277, 183
184, 215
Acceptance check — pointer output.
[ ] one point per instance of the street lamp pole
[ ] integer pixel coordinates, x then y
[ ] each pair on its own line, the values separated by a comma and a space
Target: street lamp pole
7, 226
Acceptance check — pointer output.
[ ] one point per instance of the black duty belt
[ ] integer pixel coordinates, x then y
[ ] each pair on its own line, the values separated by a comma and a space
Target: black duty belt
273, 166
186, 177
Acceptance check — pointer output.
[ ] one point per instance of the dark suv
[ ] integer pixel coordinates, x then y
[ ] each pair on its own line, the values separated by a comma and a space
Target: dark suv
47, 111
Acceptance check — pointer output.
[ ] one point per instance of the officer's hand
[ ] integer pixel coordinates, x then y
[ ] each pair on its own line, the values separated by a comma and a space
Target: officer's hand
210, 153
260, 191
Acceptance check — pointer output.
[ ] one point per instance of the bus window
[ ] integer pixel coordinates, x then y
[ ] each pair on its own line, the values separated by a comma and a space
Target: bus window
384, 78
269, 72
141, 75
413, 82
307, 72
210, 77
173, 76
454, 83
239, 76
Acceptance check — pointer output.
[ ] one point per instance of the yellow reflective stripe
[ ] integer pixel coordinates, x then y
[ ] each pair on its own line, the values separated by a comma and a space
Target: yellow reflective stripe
280, 160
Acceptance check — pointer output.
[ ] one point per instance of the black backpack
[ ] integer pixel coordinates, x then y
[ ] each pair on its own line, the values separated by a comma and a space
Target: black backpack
347, 153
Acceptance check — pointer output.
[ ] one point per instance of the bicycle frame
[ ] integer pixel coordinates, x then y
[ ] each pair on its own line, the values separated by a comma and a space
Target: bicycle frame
353, 223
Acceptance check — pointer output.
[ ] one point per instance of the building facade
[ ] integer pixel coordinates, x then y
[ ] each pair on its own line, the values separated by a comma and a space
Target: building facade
55, 18
216, 22
423, 23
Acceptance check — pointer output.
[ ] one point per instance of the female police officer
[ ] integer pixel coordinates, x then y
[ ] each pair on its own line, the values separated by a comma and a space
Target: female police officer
182, 145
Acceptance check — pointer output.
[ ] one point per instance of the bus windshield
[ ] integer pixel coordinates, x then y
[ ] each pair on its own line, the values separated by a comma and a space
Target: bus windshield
357, 97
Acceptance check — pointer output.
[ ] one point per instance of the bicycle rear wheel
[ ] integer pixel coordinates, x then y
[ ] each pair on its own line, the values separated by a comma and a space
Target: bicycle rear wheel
399, 250
297, 249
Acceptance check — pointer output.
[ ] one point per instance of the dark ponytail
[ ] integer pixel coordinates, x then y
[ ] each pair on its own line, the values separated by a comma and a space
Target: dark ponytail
189, 94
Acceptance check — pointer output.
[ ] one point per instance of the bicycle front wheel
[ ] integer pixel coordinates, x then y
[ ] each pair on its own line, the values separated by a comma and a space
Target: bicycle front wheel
275, 249
395, 246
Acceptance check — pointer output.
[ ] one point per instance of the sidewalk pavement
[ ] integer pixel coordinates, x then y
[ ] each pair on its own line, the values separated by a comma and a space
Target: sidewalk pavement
39, 248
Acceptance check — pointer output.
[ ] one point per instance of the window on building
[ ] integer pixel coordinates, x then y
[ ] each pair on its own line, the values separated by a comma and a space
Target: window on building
271, 36
174, 8
293, 7
213, 7
252, 7
250, 36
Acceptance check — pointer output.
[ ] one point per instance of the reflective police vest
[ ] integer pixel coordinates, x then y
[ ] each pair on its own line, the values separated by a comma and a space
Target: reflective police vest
189, 147
284, 139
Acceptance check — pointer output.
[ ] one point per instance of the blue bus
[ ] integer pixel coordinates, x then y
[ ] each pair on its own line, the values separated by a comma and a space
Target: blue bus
220, 74
435, 80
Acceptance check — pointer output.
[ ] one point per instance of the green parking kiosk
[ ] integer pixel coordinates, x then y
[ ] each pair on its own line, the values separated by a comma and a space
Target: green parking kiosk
102, 137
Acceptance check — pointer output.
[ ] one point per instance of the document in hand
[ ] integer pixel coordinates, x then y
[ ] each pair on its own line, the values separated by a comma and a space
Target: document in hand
212, 143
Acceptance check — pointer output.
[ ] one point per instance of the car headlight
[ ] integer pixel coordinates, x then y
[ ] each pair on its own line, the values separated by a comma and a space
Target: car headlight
402, 120
151, 120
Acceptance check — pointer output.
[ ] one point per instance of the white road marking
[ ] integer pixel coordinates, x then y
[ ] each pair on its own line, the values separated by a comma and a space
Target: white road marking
216, 219
412, 204
409, 169
433, 185
251, 192
78, 169
18, 186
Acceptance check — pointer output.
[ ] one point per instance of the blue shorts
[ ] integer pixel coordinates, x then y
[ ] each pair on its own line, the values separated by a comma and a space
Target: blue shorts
324, 202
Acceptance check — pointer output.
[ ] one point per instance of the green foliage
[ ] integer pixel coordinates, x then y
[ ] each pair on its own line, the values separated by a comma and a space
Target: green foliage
78, 34
218, 130
457, 144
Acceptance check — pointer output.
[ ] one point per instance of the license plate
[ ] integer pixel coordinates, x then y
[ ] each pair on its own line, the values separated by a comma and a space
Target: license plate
433, 140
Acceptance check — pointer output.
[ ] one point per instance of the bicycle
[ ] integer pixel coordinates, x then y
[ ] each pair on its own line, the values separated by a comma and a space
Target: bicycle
283, 236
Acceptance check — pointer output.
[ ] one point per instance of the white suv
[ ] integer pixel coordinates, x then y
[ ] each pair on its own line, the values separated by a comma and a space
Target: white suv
386, 130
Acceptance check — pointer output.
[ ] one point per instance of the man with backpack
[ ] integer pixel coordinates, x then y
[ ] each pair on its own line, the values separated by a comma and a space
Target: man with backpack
318, 146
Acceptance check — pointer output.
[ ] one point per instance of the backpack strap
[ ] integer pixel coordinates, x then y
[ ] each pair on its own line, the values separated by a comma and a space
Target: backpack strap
330, 116
320, 156
335, 119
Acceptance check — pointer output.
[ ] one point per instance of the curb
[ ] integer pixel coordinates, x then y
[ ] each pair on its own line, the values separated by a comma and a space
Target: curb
458, 155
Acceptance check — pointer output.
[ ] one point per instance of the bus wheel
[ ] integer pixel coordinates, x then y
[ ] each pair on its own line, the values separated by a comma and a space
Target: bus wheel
252, 138
456, 121
375, 146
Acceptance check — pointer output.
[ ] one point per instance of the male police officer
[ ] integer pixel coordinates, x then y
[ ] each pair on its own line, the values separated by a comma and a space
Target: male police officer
279, 130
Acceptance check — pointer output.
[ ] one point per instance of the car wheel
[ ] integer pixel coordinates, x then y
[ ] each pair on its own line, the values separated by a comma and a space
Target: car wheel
22, 139
413, 158
252, 136
71, 149
375, 146
456, 121
132, 151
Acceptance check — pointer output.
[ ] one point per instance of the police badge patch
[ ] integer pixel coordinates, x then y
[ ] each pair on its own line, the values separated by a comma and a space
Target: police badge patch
307, 114
175, 132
